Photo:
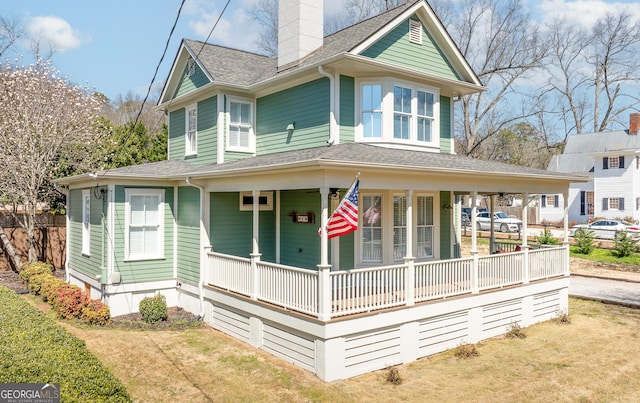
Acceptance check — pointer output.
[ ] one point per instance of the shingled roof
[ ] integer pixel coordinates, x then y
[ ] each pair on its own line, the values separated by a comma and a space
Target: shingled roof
348, 154
238, 67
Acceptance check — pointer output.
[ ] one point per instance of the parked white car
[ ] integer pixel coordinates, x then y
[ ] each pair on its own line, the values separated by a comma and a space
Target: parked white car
607, 229
501, 222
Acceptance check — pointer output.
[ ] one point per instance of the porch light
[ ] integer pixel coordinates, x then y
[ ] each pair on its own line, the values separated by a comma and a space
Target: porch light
291, 127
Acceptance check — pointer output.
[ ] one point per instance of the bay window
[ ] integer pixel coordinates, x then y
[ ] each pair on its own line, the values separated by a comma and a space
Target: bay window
400, 112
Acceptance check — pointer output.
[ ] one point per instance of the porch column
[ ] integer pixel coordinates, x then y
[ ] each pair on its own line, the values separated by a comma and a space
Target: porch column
525, 247
565, 241
409, 257
255, 251
492, 239
324, 268
474, 244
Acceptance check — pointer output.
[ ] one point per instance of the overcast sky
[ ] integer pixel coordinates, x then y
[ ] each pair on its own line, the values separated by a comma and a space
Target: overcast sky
114, 46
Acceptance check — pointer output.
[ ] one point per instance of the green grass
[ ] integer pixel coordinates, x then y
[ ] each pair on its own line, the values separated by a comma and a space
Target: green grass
35, 349
608, 256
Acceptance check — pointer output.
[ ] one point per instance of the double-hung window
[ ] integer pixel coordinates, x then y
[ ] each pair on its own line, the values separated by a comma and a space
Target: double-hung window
372, 228
86, 220
399, 227
401, 112
144, 224
424, 224
191, 136
240, 127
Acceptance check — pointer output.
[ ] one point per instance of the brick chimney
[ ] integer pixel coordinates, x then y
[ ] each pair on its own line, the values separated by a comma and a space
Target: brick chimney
634, 123
300, 29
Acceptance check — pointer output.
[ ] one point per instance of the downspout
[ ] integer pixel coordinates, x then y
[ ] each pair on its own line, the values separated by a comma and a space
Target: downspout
333, 125
202, 264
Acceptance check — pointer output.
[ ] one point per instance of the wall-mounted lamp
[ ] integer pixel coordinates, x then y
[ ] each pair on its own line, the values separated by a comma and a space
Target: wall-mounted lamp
447, 207
290, 128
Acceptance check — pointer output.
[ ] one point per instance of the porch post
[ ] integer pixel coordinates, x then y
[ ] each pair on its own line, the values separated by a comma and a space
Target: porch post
255, 251
474, 244
565, 241
324, 268
409, 257
492, 239
525, 247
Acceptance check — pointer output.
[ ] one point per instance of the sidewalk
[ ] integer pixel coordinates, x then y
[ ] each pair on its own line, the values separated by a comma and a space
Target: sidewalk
582, 267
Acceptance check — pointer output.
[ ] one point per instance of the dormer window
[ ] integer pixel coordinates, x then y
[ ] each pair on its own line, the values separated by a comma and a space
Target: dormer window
191, 67
415, 32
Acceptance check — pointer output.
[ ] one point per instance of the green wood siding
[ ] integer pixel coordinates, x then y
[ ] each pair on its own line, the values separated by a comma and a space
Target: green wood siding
307, 105
188, 84
347, 252
189, 234
94, 263
143, 270
445, 125
176, 134
347, 110
207, 146
232, 229
395, 48
207, 132
446, 226
300, 243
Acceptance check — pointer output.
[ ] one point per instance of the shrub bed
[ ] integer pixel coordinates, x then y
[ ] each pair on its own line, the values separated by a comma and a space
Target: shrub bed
35, 349
67, 300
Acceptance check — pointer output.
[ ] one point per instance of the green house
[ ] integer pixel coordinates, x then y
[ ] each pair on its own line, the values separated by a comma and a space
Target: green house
262, 150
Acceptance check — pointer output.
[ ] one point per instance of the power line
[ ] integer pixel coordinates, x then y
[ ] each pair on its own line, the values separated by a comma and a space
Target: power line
166, 46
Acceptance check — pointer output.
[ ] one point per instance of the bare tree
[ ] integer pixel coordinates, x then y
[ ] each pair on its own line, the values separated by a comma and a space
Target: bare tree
594, 74
10, 32
43, 118
503, 46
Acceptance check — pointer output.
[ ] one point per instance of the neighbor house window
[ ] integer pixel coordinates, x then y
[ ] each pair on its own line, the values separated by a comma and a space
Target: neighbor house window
144, 224
398, 112
86, 220
372, 228
240, 126
191, 136
613, 162
424, 224
613, 203
586, 203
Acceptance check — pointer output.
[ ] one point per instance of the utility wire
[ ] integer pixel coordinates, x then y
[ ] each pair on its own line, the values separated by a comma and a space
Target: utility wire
166, 46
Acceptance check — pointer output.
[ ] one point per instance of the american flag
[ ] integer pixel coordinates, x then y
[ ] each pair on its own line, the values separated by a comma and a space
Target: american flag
344, 219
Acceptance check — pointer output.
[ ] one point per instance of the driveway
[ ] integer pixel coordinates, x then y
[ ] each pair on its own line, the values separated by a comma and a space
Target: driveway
609, 290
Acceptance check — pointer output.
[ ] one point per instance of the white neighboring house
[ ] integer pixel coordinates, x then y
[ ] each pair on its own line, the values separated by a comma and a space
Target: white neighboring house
612, 162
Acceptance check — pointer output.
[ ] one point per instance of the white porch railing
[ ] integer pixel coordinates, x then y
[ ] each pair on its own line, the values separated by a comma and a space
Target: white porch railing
365, 290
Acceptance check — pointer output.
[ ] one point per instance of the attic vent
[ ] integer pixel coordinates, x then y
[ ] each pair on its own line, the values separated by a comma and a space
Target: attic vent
192, 67
415, 32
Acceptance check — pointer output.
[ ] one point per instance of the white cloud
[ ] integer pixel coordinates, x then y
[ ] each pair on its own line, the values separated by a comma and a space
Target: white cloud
584, 12
54, 32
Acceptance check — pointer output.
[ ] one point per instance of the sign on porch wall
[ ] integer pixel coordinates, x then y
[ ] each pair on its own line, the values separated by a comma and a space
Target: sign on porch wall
303, 218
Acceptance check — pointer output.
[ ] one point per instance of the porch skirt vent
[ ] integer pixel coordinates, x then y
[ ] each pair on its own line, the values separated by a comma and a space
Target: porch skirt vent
496, 318
442, 332
289, 345
231, 322
372, 351
546, 305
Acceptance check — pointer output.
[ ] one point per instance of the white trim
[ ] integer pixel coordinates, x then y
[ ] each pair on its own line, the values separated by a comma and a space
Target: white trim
175, 231
110, 230
144, 192
221, 128
190, 144
86, 222
251, 141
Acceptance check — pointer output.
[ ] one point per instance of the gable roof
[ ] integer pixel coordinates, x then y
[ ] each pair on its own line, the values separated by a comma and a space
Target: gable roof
580, 149
237, 68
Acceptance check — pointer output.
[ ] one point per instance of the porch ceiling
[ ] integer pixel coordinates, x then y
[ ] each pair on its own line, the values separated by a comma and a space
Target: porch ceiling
335, 166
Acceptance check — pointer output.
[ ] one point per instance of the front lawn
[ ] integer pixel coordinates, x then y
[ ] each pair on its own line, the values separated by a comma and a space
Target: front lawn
607, 256
34, 349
